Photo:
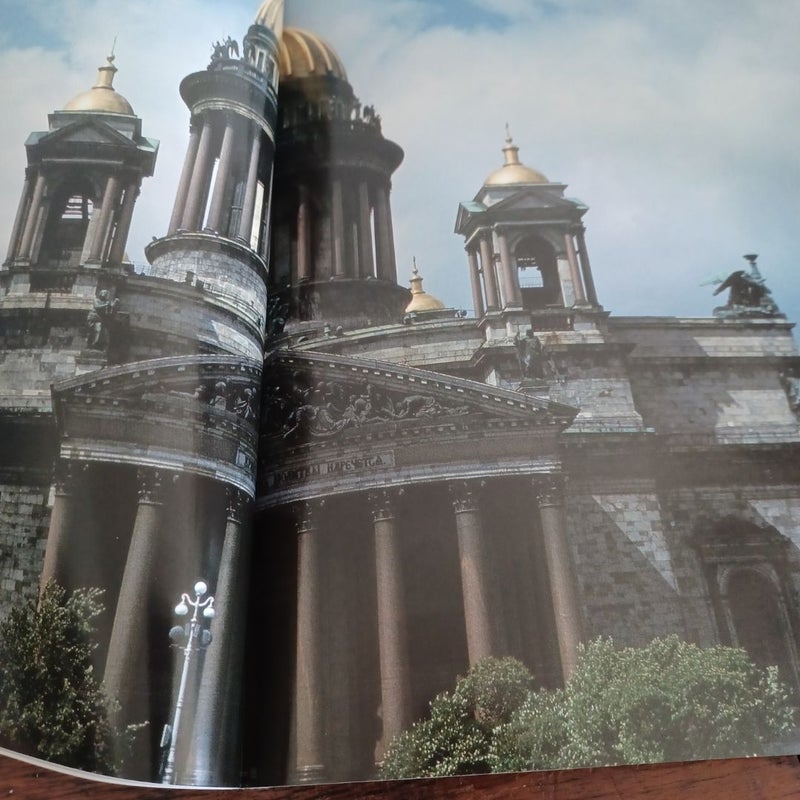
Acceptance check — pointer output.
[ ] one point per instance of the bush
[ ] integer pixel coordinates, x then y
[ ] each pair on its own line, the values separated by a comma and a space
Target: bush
669, 701
51, 704
456, 738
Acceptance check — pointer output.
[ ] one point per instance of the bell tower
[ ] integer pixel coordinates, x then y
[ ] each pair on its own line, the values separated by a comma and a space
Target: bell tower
525, 243
81, 184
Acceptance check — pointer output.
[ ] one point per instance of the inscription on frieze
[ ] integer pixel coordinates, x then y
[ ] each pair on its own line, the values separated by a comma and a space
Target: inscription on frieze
334, 467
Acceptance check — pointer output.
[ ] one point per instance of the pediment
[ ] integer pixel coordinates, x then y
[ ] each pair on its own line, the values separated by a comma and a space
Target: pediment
313, 396
536, 199
87, 132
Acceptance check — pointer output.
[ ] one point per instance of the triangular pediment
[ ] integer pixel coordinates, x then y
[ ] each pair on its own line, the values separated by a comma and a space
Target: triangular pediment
86, 131
534, 199
311, 396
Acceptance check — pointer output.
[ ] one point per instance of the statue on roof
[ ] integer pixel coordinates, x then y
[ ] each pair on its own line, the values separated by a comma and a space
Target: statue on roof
748, 295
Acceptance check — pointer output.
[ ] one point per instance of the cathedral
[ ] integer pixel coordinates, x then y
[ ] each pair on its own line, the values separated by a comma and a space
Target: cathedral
379, 490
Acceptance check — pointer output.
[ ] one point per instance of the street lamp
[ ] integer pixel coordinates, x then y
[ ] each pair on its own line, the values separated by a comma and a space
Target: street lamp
195, 637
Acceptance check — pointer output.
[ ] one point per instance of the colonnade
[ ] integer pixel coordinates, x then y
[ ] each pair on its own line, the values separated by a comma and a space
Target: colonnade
358, 215
127, 679
478, 588
494, 275
108, 229
205, 196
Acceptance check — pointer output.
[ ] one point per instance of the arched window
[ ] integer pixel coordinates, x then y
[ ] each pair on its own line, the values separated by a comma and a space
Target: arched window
538, 273
746, 567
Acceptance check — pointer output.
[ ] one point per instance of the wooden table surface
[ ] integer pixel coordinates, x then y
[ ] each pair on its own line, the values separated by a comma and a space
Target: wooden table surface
737, 779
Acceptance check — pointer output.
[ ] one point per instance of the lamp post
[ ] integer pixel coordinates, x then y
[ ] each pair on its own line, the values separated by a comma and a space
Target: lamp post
196, 637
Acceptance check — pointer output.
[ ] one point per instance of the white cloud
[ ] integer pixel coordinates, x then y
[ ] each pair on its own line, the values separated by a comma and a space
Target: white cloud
674, 122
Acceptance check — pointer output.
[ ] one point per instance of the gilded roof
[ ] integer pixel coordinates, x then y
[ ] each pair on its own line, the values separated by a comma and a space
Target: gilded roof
303, 54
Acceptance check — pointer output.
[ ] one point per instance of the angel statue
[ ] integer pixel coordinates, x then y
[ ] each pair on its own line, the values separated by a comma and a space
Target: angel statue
748, 294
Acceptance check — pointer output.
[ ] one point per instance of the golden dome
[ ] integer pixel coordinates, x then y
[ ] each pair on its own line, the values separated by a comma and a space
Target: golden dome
102, 96
420, 299
270, 15
303, 54
513, 171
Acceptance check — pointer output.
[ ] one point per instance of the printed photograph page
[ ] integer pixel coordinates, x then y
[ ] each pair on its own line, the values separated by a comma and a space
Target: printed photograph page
340, 441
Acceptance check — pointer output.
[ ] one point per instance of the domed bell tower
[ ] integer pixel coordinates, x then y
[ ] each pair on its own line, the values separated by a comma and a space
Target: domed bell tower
218, 235
333, 258
526, 248
81, 184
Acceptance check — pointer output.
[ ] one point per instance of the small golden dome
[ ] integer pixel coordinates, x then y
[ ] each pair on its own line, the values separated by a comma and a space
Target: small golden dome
303, 54
102, 96
270, 15
513, 171
420, 299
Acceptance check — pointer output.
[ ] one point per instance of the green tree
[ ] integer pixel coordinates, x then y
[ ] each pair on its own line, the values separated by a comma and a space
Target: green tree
51, 703
456, 737
669, 701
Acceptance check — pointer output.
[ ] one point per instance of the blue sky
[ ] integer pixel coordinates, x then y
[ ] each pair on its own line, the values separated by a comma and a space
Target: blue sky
674, 122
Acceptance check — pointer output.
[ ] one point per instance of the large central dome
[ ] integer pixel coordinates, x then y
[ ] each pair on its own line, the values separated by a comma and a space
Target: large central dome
304, 54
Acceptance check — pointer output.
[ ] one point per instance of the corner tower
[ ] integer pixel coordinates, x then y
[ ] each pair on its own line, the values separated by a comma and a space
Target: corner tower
333, 256
218, 234
81, 184
525, 243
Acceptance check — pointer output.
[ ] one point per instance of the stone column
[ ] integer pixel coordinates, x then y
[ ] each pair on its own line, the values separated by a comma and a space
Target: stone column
198, 185
510, 274
560, 567
222, 180
117, 253
586, 268
489, 276
32, 221
249, 204
574, 273
303, 234
126, 676
366, 261
217, 724
337, 229
475, 281
185, 180
309, 699
16, 231
385, 268
97, 249
392, 636
62, 522
476, 585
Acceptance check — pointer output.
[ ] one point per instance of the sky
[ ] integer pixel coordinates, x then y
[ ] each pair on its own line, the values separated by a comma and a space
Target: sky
676, 123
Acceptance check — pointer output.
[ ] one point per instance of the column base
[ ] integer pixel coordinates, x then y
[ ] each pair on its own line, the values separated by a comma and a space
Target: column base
310, 773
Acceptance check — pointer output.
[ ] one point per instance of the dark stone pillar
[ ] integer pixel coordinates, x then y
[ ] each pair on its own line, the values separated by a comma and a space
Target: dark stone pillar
392, 636
249, 204
586, 268
185, 180
475, 280
62, 522
309, 755
99, 244
32, 221
366, 261
126, 676
489, 275
337, 223
117, 252
198, 185
16, 231
386, 268
510, 274
223, 176
475, 573
572, 258
560, 567
216, 756
303, 234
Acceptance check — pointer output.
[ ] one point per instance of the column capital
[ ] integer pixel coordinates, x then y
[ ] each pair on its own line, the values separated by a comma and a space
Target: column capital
307, 519
383, 503
465, 495
236, 504
66, 474
151, 485
549, 490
